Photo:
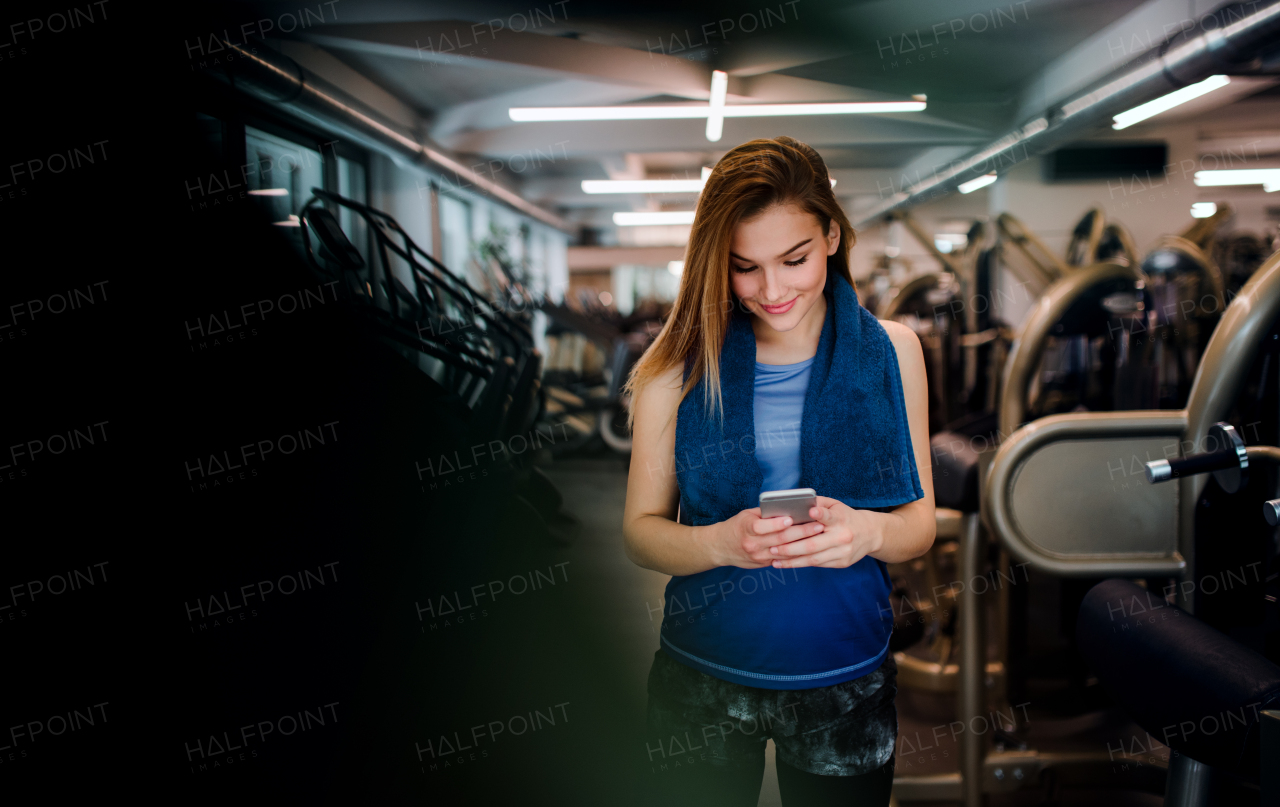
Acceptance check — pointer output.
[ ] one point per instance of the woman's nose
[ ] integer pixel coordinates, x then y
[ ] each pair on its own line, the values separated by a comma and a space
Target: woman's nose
772, 290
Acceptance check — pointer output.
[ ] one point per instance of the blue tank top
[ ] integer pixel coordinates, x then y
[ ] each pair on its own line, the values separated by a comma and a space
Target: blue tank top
780, 628
779, 405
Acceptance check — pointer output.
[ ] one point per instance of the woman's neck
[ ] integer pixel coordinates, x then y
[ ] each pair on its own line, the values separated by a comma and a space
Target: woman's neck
793, 346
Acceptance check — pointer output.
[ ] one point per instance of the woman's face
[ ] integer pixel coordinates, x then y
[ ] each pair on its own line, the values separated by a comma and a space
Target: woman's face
778, 264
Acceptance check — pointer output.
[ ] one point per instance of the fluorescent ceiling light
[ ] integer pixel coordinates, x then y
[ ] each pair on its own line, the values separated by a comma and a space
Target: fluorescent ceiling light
1203, 210
653, 217
572, 113
675, 267
292, 221
270, 192
1268, 178
1166, 102
648, 185
973, 184
715, 120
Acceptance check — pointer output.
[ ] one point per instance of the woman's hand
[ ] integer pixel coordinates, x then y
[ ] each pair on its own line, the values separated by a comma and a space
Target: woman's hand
846, 537
746, 540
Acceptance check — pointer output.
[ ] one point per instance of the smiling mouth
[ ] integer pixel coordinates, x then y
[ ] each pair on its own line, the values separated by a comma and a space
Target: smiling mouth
781, 308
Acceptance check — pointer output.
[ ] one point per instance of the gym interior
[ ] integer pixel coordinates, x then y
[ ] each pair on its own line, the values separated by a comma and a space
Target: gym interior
348, 295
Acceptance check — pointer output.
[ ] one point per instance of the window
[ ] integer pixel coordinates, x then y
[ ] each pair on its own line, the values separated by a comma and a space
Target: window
281, 174
351, 185
455, 231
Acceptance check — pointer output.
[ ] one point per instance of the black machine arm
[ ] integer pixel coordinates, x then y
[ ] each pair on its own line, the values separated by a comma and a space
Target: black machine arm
1229, 455
1229, 464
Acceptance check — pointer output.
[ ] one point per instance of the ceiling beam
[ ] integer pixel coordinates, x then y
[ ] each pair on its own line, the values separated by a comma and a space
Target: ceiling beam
458, 42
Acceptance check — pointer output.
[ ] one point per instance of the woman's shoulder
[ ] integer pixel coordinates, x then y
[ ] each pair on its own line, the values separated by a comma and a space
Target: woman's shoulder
901, 335
661, 396
906, 343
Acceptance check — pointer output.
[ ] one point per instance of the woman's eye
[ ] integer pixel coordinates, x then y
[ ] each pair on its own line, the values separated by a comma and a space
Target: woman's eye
743, 269
796, 263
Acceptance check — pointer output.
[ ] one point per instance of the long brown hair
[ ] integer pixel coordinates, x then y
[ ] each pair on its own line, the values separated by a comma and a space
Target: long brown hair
745, 182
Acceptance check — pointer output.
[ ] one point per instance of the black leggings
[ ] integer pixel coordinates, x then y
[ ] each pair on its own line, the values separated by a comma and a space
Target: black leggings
709, 786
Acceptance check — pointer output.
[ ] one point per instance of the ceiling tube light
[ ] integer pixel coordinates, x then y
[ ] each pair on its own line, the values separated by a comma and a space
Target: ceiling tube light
854, 108
1203, 210
1268, 178
1166, 102
578, 113
973, 184
653, 217
715, 116
270, 192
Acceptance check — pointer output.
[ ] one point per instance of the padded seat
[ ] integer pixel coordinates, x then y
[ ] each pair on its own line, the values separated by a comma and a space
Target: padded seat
955, 471
1187, 685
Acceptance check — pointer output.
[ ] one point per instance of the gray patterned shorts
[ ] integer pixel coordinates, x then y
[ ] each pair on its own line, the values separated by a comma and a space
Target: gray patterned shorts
845, 729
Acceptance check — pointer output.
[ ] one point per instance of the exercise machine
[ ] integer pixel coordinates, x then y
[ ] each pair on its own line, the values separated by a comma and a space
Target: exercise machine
1067, 494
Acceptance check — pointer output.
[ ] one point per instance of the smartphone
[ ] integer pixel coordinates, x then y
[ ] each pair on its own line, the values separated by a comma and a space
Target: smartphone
794, 503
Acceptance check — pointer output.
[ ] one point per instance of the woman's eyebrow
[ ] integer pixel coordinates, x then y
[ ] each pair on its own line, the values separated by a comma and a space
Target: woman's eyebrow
780, 255
793, 249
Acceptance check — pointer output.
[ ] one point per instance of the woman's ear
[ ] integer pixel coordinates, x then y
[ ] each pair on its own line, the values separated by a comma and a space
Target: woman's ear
833, 237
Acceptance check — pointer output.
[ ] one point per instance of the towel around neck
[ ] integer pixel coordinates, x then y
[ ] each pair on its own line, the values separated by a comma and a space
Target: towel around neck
855, 443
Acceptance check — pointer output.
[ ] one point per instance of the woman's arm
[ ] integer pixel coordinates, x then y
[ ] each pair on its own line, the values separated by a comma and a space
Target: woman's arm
908, 531
651, 536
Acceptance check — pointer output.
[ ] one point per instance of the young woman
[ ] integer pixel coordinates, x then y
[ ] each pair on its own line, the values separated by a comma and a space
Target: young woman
769, 375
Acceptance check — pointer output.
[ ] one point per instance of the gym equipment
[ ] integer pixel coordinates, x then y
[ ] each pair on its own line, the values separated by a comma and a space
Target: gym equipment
587, 369
940, 308
1042, 265
1091, 334
479, 355
1067, 494
1208, 682
1203, 232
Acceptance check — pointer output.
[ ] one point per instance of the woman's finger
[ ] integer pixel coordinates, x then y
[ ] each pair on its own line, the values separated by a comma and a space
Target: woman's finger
804, 546
832, 556
798, 531
764, 526
786, 536
822, 514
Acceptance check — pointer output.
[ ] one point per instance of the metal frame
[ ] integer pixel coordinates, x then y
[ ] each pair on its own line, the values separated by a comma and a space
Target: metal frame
1044, 261
1097, 224
1193, 251
1218, 378
1029, 346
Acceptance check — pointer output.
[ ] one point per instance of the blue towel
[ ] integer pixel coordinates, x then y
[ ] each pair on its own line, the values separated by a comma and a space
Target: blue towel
855, 443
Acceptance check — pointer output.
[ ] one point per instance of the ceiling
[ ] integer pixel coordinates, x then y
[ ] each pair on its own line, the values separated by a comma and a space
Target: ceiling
460, 66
